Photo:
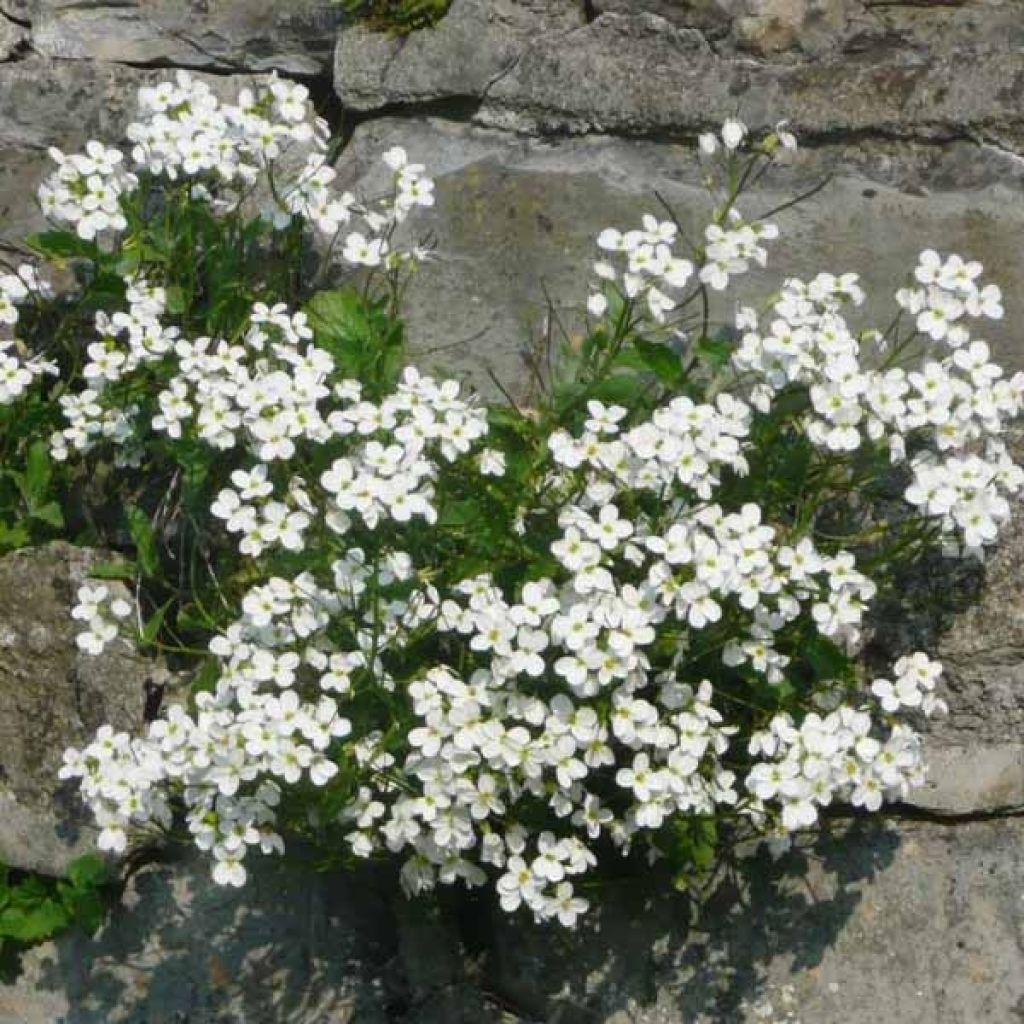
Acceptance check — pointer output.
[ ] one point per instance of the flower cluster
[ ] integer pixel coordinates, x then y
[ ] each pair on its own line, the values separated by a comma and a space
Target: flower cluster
239, 734
832, 757
17, 368
945, 416
914, 686
121, 782
101, 611
638, 623
86, 190
649, 262
268, 146
653, 272
256, 727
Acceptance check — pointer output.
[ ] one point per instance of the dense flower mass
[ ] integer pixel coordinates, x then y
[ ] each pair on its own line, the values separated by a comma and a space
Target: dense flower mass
498, 643
957, 400
268, 145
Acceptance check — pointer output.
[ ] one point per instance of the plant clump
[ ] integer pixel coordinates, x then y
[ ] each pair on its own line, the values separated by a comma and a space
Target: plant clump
398, 16
505, 645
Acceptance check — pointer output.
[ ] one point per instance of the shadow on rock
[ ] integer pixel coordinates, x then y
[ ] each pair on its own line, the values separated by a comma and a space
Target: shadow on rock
293, 946
304, 948
650, 954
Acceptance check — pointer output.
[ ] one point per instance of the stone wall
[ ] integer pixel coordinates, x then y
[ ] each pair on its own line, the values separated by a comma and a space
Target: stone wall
543, 121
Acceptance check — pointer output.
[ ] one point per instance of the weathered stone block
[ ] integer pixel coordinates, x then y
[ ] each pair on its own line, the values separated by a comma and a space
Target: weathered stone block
234, 35
52, 696
293, 947
61, 103
516, 220
672, 68
974, 779
476, 43
921, 925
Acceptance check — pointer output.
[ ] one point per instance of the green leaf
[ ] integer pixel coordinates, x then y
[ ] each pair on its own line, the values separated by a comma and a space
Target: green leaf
81, 895
620, 388
38, 472
104, 291
29, 891
206, 678
790, 403
340, 315
175, 300
192, 617
34, 921
61, 245
715, 351
87, 871
825, 657
468, 512
365, 342
114, 571
144, 536
50, 513
83, 907
661, 360
154, 623
130, 259
13, 537
693, 845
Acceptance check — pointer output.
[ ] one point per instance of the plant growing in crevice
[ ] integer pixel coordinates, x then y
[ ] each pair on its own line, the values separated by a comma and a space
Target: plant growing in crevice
398, 16
34, 908
505, 645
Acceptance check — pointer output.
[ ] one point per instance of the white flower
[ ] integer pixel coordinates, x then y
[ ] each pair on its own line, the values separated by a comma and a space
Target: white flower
707, 143
733, 133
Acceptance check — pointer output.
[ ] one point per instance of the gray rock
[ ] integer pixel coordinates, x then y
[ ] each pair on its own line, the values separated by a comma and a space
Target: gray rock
477, 42
673, 67
237, 35
770, 27
516, 218
919, 925
55, 103
20, 173
289, 948
62, 103
711, 16
637, 74
52, 696
361, 60
972, 779
765, 27
982, 651
13, 38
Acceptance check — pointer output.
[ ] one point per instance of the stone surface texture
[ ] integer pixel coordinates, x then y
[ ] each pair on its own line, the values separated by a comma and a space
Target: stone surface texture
543, 122
931, 71
50, 102
236, 35
923, 924
52, 696
516, 218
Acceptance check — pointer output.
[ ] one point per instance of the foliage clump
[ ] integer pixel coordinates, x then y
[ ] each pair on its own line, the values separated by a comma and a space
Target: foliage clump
34, 908
398, 16
502, 643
